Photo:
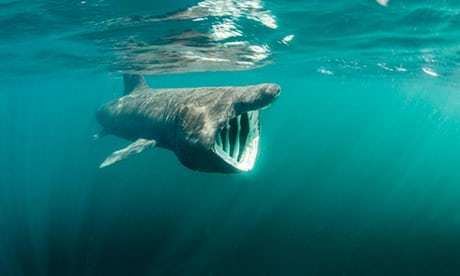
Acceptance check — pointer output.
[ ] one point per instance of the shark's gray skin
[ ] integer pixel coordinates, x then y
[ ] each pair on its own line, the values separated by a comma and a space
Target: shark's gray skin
210, 129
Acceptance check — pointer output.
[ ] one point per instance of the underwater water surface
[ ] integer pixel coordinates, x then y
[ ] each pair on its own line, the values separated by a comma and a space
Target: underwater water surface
358, 169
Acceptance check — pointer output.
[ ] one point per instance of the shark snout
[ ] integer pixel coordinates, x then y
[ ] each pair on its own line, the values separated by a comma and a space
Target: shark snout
272, 90
270, 93
257, 97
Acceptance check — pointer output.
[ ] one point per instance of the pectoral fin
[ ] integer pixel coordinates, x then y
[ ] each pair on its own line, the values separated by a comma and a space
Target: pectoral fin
134, 148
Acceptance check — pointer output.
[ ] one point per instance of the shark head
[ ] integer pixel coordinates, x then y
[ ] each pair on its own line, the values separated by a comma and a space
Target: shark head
221, 128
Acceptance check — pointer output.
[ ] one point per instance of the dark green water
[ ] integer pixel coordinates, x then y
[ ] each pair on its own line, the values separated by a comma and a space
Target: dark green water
357, 174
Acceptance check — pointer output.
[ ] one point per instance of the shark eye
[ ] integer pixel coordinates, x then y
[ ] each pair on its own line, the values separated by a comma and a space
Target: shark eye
237, 142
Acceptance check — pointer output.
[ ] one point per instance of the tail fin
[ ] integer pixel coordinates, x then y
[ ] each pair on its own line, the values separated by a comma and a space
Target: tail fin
133, 82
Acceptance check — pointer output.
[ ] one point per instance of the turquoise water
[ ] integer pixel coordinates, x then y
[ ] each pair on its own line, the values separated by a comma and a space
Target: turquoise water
358, 169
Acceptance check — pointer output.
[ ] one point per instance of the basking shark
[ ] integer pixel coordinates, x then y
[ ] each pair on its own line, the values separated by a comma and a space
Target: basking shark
210, 129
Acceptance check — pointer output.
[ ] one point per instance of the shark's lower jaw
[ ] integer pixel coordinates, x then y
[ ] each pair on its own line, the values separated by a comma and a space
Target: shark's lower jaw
237, 143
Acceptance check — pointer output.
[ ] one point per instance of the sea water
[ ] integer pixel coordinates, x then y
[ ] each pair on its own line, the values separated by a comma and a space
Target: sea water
358, 171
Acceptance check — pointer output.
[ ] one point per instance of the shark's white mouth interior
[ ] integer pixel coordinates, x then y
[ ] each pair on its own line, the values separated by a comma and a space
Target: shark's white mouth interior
237, 142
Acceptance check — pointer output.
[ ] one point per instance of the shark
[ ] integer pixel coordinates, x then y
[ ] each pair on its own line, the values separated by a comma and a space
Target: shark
210, 129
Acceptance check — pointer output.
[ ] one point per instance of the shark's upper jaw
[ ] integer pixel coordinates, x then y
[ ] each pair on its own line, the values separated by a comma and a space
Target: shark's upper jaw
237, 142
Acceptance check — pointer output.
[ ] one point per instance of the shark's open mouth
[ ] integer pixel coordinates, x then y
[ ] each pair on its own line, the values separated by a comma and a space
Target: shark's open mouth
237, 142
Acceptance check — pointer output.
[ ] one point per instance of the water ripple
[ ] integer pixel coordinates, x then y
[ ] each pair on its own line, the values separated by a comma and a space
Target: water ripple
159, 37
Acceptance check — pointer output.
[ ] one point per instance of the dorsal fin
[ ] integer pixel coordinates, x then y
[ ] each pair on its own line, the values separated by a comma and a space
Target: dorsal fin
133, 82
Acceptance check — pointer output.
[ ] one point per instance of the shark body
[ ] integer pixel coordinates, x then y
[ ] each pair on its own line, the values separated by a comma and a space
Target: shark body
210, 129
